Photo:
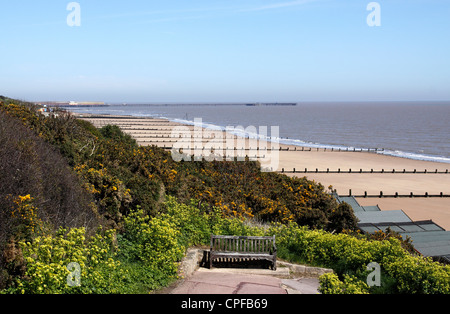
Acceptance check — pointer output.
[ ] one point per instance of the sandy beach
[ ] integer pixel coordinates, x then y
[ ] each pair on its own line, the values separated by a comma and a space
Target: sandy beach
360, 172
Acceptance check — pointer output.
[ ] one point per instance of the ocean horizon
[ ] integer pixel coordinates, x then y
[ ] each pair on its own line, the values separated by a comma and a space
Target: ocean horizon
413, 130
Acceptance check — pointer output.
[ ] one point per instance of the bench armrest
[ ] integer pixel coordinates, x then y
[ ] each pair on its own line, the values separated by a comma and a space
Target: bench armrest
274, 245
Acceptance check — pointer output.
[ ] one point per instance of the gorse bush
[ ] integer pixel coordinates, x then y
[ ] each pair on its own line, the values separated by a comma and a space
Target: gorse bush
240, 189
112, 196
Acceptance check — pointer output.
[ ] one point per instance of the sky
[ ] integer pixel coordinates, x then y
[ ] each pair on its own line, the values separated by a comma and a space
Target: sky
225, 50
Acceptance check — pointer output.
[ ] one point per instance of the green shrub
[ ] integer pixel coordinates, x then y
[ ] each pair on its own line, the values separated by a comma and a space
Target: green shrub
331, 284
416, 274
155, 242
115, 133
47, 259
401, 272
192, 222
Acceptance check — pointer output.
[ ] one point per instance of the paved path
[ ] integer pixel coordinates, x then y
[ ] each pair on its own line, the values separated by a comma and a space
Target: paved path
244, 281
301, 285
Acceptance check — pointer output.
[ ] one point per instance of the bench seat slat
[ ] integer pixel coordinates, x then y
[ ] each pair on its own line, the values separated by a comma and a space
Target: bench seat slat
262, 248
238, 254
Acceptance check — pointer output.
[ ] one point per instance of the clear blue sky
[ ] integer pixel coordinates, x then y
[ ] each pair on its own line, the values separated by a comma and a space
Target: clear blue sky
225, 50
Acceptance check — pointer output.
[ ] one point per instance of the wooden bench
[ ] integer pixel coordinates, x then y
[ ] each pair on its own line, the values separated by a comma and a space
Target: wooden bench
236, 248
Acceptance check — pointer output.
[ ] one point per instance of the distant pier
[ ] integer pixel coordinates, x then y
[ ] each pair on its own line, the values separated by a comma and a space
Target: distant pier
71, 104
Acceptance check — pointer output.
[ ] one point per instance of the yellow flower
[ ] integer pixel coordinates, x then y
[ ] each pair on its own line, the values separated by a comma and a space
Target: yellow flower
25, 198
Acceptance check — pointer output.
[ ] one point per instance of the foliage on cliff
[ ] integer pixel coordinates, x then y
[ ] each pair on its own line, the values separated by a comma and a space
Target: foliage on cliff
121, 175
60, 174
147, 254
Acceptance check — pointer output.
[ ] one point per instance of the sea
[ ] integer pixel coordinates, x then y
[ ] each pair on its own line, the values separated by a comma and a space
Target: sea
414, 130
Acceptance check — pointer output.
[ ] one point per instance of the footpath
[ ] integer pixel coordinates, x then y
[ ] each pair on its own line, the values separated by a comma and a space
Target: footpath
287, 279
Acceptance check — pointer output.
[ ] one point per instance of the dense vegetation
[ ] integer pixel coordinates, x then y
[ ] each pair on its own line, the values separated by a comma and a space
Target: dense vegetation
119, 175
70, 193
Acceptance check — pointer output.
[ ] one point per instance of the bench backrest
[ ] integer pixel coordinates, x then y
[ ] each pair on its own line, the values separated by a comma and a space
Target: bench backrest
243, 244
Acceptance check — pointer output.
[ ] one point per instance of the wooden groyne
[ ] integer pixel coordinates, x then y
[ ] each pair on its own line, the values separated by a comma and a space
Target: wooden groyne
398, 195
361, 171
